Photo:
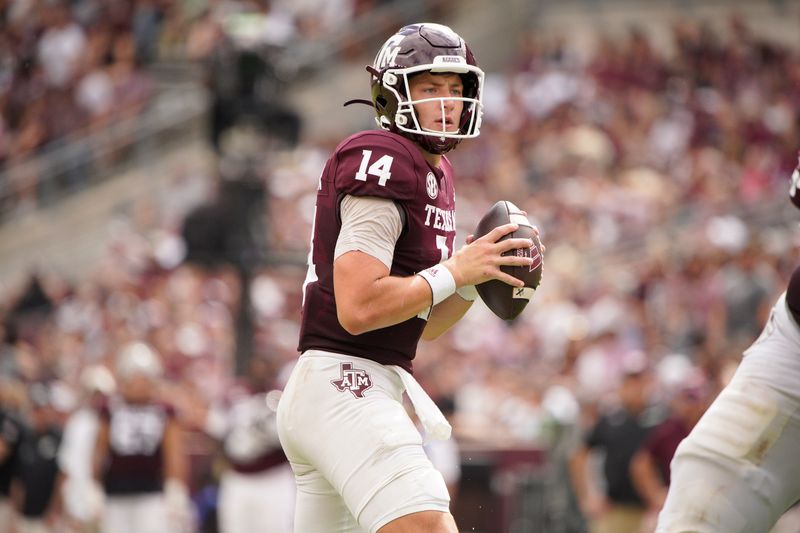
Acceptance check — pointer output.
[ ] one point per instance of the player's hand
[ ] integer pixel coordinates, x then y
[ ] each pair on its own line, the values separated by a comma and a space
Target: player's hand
480, 260
594, 506
471, 238
649, 522
178, 506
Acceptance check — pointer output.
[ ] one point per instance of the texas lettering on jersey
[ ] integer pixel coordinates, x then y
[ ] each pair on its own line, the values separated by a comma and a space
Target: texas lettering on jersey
439, 218
385, 165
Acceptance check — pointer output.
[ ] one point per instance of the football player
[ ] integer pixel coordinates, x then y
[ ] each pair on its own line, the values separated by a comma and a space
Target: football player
382, 274
257, 489
139, 458
737, 471
83, 498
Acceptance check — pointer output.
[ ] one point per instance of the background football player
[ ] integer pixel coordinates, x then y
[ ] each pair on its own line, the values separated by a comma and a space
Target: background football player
139, 457
737, 470
82, 497
257, 488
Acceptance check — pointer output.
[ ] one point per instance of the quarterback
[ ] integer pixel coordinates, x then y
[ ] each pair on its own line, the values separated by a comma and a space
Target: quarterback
737, 471
382, 274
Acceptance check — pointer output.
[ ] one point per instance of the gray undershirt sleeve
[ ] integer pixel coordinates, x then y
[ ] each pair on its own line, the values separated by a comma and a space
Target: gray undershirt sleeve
370, 225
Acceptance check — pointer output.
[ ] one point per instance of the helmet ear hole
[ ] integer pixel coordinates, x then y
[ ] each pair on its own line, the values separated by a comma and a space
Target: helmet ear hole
381, 101
470, 82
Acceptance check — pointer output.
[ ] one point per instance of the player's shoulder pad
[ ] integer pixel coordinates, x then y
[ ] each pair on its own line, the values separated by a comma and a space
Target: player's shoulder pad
378, 163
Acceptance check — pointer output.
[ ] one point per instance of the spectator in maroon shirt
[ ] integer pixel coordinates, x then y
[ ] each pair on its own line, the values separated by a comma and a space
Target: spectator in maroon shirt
650, 471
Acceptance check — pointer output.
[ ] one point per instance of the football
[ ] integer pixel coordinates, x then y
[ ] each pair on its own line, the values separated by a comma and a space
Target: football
506, 301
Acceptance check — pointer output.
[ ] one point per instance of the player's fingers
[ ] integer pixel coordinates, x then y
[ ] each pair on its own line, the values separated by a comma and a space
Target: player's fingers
513, 244
498, 232
539, 235
508, 279
470, 239
515, 260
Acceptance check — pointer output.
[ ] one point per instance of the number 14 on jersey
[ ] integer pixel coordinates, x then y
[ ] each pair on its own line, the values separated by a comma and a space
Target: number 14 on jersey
380, 168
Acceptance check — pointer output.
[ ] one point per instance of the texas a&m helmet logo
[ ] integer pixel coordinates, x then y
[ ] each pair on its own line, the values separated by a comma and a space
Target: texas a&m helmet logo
355, 380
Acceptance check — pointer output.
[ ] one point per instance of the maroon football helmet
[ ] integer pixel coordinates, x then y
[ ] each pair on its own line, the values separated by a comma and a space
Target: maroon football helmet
419, 48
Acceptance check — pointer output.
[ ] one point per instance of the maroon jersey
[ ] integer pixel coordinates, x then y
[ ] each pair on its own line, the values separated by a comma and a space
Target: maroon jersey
135, 461
662, 443
386, 165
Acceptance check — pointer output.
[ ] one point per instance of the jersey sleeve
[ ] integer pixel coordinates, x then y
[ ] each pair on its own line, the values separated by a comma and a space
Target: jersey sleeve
374, 164
653, 441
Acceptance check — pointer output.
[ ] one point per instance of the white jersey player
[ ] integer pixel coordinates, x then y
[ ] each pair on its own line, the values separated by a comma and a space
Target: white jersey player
737, 471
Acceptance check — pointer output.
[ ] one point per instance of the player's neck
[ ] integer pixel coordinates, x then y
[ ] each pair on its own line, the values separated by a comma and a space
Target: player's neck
433, 159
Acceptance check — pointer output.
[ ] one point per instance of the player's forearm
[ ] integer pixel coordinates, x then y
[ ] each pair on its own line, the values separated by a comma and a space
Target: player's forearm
100, 451
5, 450
578, 474
384, 302
16, 495
174, 459
444, 315
56, 506
646, 480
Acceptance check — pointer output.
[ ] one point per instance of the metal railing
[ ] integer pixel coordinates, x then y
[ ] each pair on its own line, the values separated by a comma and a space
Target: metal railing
305, 57
79, 161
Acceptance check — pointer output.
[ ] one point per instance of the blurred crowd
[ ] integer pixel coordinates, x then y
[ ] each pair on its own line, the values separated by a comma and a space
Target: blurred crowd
70, 69
657, 178
69, 66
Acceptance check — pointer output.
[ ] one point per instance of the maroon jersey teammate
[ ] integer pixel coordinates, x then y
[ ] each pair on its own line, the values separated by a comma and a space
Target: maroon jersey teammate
138, 456
382, 274
257, 489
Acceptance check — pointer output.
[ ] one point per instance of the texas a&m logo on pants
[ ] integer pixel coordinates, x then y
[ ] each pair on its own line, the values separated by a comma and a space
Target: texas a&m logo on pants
355, 380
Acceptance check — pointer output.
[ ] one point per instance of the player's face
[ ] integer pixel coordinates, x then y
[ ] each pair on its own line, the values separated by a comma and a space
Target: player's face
137, 388
443, 113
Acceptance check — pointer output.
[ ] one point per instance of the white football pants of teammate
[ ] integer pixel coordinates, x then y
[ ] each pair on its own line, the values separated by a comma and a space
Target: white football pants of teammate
262, 502
738, 471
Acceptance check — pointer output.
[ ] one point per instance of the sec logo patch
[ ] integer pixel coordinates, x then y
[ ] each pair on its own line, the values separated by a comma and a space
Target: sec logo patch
431, 186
